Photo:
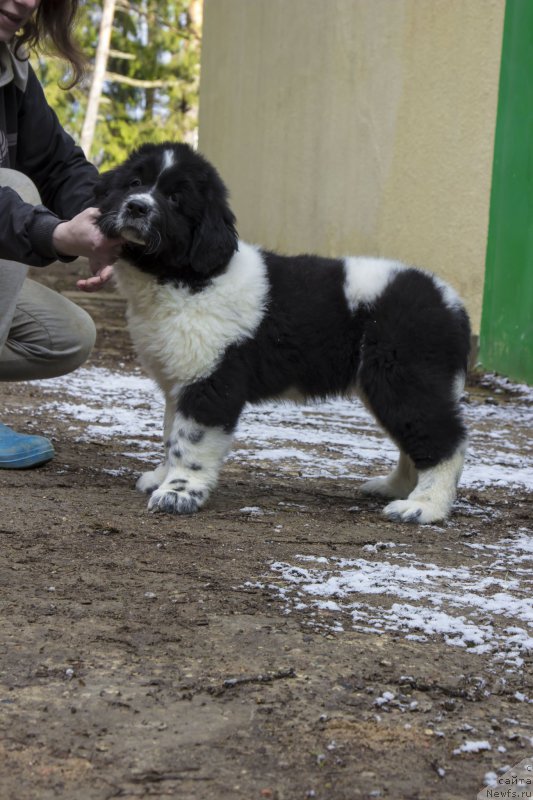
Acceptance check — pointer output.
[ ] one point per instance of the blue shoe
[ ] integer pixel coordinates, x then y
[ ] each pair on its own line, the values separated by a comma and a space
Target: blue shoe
17, 450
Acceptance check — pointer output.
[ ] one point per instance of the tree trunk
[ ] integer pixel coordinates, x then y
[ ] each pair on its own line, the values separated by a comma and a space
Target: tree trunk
100, 64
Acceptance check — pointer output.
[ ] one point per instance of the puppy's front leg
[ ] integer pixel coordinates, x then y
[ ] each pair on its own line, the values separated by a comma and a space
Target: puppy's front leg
151, 480
194, 457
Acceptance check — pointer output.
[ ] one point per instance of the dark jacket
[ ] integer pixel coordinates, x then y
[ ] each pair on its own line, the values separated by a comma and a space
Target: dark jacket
32, 141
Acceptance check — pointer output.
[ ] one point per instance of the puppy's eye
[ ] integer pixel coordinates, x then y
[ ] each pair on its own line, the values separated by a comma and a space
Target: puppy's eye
174, 198
135, 182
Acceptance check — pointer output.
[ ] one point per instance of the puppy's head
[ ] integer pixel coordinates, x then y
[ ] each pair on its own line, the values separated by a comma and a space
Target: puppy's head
171, 206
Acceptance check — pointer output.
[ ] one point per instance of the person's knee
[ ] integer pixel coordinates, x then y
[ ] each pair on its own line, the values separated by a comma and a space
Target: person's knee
69, 348
82, 336
21, 184
49, 336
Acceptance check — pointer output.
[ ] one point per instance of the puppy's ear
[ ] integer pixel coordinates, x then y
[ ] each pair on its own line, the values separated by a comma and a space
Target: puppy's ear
214, 240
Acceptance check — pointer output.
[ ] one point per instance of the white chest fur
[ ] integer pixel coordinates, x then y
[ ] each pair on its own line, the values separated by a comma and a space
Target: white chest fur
179, 335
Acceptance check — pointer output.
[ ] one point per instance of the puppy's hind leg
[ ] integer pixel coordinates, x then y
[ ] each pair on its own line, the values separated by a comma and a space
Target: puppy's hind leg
431, 500
434, 494
423, 417
398, 485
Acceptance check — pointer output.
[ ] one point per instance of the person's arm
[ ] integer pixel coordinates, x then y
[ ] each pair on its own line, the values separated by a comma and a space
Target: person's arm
32, 235
26, 231
63, 227
48, 155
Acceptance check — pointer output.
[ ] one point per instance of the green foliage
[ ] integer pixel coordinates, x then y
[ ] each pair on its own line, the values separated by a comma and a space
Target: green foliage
151, 89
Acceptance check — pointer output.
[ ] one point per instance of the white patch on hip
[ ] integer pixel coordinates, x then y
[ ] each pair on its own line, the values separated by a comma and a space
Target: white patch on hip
366, 279
449, 295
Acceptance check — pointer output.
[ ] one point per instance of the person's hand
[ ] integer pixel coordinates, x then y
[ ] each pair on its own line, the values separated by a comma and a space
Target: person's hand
80, 236
96, 281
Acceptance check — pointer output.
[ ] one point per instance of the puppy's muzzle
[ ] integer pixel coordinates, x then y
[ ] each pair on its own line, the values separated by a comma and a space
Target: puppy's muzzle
136, 218
137, 208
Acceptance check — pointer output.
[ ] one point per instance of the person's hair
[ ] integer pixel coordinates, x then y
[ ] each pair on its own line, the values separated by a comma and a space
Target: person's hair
53, 22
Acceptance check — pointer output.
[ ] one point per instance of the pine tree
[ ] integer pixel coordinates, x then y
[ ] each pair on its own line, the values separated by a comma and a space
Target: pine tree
150, 91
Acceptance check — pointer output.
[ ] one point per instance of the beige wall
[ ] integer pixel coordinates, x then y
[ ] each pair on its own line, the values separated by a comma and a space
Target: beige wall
357, 126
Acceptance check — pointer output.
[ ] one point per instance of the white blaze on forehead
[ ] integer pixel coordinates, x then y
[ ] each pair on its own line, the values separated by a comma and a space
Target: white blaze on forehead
366, 278
168, 160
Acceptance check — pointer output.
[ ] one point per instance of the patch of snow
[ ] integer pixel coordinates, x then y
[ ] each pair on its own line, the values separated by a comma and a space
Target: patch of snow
491, 779
478, 607
472, 747
385, 698
337, 438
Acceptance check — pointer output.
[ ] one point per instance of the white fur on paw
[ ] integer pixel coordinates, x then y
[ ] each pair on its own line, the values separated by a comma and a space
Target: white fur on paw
177, 501
149, 481
418, 511
385, 487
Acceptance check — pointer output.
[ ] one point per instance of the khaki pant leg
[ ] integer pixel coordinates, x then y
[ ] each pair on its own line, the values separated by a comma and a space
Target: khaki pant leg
42, 334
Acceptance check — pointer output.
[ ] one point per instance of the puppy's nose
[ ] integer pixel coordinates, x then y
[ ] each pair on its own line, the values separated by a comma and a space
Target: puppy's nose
138, 207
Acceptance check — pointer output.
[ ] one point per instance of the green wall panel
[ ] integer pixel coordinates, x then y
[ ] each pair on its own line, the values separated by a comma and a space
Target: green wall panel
506, 341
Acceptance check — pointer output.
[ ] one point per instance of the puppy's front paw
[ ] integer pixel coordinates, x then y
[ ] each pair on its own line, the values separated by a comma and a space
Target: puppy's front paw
149, 481
176, 501
415, 511
385, 487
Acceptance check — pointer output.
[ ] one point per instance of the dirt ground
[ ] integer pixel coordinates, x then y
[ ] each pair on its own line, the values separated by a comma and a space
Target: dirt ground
139, 660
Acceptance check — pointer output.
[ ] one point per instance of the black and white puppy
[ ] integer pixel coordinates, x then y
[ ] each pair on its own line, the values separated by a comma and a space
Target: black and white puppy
219, 323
